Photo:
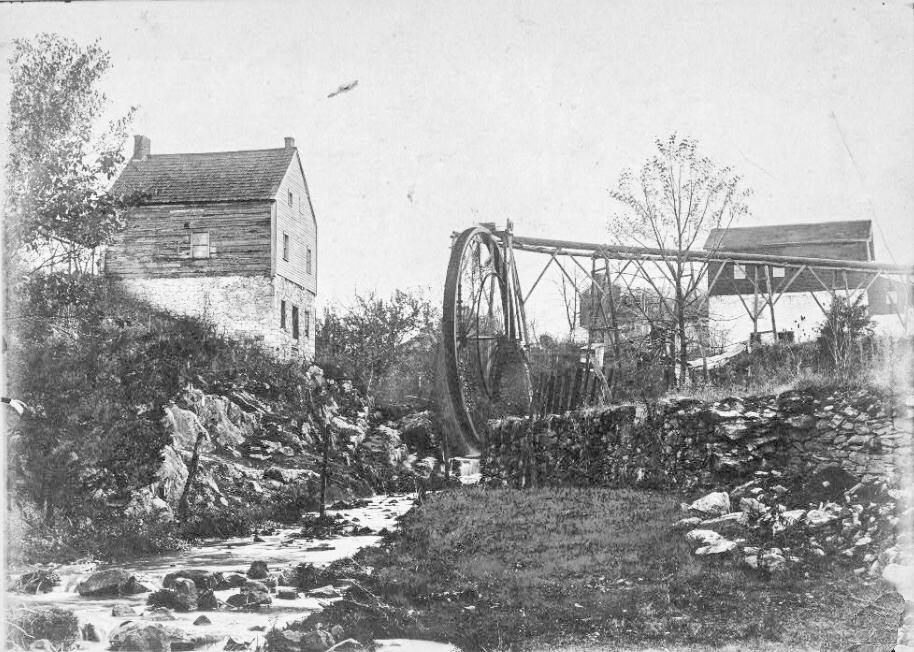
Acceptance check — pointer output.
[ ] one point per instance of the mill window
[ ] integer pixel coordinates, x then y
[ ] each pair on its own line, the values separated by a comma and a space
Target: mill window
291, 198
307, 324
199, 244
739, 272
777, 272
282, 315
308, 260
285, 246
294, 322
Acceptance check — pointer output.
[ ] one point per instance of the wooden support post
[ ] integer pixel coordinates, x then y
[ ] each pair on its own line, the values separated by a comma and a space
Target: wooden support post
774, 327
755, 310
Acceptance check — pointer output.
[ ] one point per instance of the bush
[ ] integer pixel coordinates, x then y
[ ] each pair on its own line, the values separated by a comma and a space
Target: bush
292, 500
60, 626
107, 537
222, 522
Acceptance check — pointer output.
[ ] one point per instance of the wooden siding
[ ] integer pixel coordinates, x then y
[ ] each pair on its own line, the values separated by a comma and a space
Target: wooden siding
156, 242
299, 223
805, 282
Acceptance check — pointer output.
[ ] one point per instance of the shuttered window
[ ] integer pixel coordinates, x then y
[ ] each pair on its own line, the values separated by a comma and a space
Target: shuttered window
294, 322
199, 244
282, 314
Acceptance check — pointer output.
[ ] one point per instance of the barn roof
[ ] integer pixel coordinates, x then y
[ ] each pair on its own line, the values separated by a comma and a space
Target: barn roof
757, 238
206, 177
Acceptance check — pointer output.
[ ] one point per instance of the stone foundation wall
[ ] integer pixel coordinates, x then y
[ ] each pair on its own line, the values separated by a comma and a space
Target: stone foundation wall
241, 307
687, 443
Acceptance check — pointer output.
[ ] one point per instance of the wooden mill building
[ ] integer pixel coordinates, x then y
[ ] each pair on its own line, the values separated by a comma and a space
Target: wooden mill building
227, 236
800, 294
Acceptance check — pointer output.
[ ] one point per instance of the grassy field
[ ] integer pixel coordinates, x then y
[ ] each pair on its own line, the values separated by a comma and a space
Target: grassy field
592, 569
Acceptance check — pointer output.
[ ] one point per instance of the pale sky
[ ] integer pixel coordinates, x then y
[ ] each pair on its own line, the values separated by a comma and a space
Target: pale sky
528, 110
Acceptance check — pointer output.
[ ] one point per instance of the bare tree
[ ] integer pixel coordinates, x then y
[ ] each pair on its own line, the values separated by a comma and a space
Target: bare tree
570, 286
676, 199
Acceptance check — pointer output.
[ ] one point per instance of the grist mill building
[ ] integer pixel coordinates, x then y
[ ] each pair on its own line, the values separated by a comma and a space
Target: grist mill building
230, 237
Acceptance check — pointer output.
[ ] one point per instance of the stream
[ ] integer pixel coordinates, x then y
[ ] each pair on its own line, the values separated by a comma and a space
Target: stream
280, 551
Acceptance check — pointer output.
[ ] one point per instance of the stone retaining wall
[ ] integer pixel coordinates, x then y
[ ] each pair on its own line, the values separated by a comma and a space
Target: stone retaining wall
687, 443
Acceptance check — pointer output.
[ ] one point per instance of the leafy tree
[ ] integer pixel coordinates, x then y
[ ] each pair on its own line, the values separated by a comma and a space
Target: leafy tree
58, 167
373, 334
678, 196
93, 427
846, 323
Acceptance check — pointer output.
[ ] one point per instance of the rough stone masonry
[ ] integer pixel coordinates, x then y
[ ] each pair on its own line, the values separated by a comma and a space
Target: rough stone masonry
689, 444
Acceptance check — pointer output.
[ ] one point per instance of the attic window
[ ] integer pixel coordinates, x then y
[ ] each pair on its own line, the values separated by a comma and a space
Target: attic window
739, 272
285, 246
199, 244
291, 199
308, 261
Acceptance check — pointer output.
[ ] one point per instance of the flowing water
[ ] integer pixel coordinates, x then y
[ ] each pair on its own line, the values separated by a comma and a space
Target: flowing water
280, 551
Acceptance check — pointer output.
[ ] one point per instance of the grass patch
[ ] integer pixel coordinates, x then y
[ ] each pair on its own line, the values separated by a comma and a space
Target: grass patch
508, 569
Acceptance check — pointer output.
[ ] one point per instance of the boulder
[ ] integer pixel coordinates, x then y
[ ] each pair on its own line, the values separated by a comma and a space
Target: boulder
772, 559
181, 598
317, 640
230, 581
255, 587
160, 614
327, 591
287, 594
714, 504
202, 620
136, 585
202, 579
249, 600
123, 611
106, 582
286, 641
89, 633
208, 601
146, 637
258, 570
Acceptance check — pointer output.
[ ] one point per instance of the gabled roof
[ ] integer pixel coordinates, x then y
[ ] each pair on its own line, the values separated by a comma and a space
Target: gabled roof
208, 177
755, 238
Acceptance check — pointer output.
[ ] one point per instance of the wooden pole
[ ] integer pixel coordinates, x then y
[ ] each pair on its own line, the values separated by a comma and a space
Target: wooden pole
774, 328
755, 310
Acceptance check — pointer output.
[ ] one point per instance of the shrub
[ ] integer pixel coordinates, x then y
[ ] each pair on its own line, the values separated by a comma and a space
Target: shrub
222, 522
101, 536
60, 626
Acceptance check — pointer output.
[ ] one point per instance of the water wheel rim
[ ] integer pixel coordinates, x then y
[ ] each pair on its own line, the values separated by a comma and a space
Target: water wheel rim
465, 409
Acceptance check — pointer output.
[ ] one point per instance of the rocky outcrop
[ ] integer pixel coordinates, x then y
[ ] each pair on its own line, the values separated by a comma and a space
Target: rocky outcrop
253, 451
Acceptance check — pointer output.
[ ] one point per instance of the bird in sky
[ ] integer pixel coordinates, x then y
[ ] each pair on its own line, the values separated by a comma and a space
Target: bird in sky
344, 88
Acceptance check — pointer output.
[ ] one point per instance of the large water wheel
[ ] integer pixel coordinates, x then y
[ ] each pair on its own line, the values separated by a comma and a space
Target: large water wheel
485, 363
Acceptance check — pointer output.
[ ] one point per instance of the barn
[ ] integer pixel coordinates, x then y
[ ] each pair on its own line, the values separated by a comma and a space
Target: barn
226, 236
